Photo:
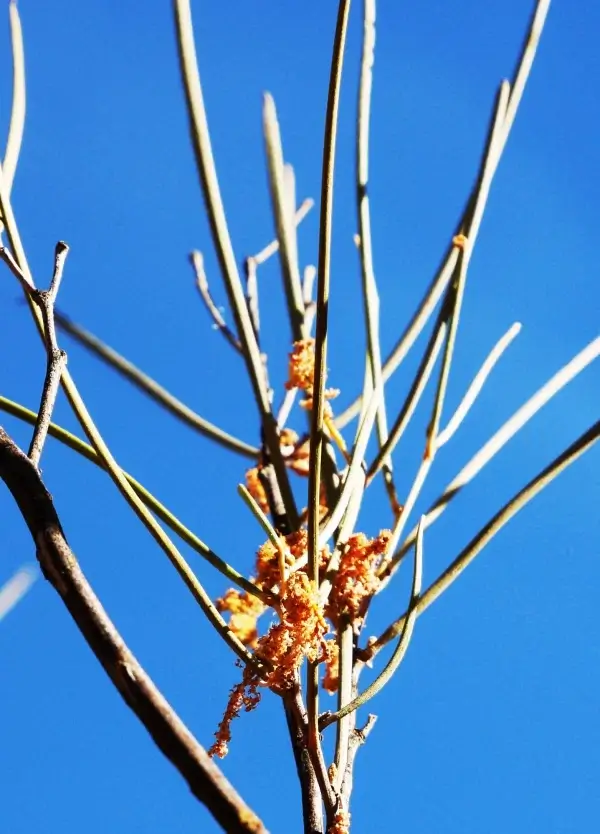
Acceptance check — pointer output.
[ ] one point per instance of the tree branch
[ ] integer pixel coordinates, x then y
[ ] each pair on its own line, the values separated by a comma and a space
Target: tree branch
60, 567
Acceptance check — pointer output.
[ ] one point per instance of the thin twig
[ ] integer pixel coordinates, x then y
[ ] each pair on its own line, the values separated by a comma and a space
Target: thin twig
56, 358
290, 396
308, 283
412, 331
346, 529
345, 638
467, 242
153, 504
24, 280
312, 805
357, 739
251, 270
413, 397
42, 303
60, 567
477, 384
197, 261
17, 113
355, 473
446, 270
399, 653
317, 759
318, 409
450, 312
115, 471
411, 500
276, 540
273, 247
220, 233
252, 263
286, 406
373, 376
497, 442
153, 389
284, 219
584, 442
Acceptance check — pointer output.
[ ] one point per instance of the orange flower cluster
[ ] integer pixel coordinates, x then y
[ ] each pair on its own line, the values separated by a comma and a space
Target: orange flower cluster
245, 609
295, 454
340, 824
296, 457
331, 679
256, 489
356, 579
301, 367
299, 634
243, 695
301, 372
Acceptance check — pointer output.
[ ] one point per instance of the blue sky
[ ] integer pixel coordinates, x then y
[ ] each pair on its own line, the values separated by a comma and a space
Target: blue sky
492, 722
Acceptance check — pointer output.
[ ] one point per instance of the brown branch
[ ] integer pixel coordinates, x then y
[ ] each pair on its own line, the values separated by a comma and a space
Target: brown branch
315, 755
312, 804
56, 358
62, 570
357, 739
197, 262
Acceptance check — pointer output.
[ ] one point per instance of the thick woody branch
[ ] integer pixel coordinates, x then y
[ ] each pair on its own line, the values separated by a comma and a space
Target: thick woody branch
62, 570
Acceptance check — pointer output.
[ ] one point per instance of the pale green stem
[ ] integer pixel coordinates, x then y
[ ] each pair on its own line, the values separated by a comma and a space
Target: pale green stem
276, 540
399, 653
17, 113
222, 241
471, 230
110, 463
317, 439
153, 389
415, 393
446, 270
283, 213
477, 384
497, 442
159, 509
487, 533
373, 379
346, 650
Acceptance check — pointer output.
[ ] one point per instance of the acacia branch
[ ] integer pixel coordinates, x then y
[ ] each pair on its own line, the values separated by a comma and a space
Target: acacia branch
17, 113
151, 388
584, 442
317, 439
61, 569
56, 358
159, 509
224, 249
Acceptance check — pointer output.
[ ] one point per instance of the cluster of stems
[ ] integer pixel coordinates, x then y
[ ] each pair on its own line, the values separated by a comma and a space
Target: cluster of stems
319, 572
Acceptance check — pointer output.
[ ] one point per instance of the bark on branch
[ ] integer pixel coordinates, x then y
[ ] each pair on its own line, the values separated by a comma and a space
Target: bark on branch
62, 570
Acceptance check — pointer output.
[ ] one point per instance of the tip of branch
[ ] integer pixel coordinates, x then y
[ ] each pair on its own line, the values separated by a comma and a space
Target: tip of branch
269, 109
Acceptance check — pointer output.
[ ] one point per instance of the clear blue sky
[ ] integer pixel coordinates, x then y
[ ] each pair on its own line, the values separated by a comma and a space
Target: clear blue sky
492, 723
